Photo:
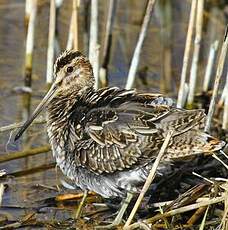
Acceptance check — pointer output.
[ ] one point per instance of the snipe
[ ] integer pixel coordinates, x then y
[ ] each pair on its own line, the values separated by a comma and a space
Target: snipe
106, 140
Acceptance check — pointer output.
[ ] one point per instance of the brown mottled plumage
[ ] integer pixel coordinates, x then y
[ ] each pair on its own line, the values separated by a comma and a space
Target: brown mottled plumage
106, 140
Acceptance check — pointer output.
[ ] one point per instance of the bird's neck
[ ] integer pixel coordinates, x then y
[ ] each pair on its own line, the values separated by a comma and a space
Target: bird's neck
63, 104
65, 111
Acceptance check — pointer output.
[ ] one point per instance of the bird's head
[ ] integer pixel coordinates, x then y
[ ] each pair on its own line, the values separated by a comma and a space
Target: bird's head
72, 74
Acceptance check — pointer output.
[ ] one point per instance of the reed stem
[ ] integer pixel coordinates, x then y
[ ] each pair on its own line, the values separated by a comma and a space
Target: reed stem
30, 44
29, 152
225, 114
217, 81
136, 55
107, 43
180, 102
195, 59
20, 124
75, 23
28, 6
51, 42
70, 39
165, 16
222, 99
186, 208
210, 64
93, 42
149, 179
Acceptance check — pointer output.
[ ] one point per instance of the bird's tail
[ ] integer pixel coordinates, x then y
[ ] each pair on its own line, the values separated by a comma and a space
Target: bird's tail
193, 142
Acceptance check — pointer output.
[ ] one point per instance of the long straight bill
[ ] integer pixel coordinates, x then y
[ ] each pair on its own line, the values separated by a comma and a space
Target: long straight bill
48, 97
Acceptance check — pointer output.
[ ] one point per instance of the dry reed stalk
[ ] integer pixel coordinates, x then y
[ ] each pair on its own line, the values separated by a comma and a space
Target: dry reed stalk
186, 208
20, 124
222, 98
210, 64
2, 172
28, 7
161, 204
140, 225
73, 29
32, 170
224, 222
85, 27
93, 41
75, 23
51, 42
221, 161
136, 55
96, 65
30, 44
183, 226
195, 59
107, 43
29, 152
72, 196
197, 214
149, 180
185, 94
70, 39
219, 71
225, 113
202, 177
14, 225
180, 101
203, 223
165, 16
2, 188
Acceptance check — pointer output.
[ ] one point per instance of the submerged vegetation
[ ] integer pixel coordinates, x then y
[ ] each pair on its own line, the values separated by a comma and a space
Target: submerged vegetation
178, 48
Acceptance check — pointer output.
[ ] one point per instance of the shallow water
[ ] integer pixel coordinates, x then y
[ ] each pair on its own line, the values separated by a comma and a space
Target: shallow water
21, 191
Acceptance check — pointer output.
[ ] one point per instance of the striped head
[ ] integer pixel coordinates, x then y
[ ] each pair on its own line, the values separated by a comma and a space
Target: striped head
72, 72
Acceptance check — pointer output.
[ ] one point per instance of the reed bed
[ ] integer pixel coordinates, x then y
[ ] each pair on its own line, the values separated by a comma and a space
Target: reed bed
75, 22
30, 43
107, 44
137, 51
93, 42
181, 92
51, 42
195, 58
217, 81
202, 200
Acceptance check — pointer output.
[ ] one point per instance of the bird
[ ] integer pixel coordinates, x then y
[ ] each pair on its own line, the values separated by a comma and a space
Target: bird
106, 140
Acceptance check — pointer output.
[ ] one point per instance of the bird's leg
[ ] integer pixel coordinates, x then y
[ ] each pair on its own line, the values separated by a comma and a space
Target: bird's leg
79, 209
120, 214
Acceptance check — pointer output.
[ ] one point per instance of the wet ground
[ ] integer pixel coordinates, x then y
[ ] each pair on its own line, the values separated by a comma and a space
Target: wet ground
26, 192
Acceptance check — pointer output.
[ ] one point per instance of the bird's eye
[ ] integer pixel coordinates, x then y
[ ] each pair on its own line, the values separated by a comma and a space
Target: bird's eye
69, 69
